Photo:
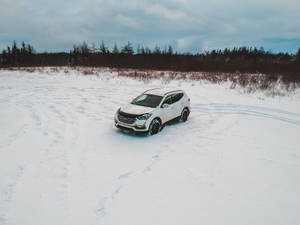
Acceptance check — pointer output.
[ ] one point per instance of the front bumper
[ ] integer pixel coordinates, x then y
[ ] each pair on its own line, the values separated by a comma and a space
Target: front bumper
138, 126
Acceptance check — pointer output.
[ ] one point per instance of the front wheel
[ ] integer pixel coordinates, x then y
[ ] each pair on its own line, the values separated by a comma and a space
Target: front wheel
154, 127
184, 115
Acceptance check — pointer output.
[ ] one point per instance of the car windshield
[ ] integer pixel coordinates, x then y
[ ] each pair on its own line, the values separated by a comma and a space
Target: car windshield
147, 100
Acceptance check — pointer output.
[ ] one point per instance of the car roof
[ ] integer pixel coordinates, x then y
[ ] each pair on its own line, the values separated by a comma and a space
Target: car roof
161, 91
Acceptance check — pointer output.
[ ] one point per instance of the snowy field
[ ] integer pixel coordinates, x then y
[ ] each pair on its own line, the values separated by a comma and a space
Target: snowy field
236, 161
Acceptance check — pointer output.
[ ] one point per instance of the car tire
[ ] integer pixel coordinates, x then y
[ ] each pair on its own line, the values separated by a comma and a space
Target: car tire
184, 115
154, 127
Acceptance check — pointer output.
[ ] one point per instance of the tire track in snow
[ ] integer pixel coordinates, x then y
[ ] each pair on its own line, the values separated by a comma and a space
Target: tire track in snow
276, 114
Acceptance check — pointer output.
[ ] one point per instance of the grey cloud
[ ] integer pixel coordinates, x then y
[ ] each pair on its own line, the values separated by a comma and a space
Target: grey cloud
189, 25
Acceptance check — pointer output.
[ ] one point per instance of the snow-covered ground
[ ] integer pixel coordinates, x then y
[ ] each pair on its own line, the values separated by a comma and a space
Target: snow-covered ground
235, 161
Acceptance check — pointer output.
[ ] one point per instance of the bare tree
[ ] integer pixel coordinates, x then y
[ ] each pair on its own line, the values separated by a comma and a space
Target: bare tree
157, 50
103, 48
84, 48
93, 48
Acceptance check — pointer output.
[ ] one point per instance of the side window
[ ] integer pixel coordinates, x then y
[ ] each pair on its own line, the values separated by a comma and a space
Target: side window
177, 97
168, 100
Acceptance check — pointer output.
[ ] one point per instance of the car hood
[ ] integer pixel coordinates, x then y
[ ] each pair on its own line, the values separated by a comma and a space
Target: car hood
136, 109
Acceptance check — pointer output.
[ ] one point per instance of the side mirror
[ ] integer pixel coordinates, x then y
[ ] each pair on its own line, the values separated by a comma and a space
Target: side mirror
165, 106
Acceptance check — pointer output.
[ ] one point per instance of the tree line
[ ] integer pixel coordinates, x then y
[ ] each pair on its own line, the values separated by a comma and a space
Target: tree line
16, 56
235, 60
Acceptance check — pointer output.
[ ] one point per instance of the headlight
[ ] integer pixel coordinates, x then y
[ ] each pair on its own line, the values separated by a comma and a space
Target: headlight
145, 116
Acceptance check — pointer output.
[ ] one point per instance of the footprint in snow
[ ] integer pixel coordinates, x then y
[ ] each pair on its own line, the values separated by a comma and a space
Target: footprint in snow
101, 210
155, 157
115, 192
147, 169
125, 175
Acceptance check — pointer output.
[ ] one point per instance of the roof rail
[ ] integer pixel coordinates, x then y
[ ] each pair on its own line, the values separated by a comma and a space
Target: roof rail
169, 92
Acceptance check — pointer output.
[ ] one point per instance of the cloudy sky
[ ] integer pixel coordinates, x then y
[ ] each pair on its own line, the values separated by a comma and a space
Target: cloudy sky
187, 25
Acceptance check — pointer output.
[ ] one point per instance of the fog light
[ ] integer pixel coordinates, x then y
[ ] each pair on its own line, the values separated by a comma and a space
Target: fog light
140, 126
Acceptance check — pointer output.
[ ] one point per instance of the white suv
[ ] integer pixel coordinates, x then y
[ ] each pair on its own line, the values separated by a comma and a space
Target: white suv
150, 111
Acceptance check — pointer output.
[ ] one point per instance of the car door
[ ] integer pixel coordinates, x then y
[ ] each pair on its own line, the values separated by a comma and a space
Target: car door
177, 104
167, 113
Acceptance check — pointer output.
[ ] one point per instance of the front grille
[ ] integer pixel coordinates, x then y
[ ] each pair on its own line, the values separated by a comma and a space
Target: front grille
127, 120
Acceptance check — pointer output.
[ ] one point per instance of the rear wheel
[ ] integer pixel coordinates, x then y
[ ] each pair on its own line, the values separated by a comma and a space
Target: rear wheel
184, 115
154, 127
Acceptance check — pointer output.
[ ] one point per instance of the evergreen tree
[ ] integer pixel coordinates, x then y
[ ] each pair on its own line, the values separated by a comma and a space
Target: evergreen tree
157, 50
115, 49
30, 49
298, 55
14, 52
4, 57
142, 50
127, 49
170, 50
23, 48
147, 51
